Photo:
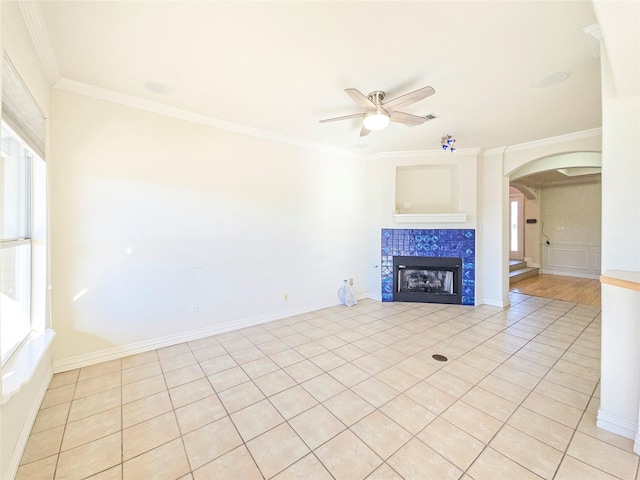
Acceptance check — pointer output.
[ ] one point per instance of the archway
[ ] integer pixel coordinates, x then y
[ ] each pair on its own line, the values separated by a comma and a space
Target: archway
561, 227
497, 166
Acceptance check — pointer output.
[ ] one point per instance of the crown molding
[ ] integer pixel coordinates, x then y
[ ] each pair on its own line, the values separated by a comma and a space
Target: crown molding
594, 132
39, 36
594, 37
132, 101
422, 153
495, 151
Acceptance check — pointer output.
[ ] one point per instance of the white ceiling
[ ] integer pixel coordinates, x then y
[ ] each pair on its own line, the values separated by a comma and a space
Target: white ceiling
282, 66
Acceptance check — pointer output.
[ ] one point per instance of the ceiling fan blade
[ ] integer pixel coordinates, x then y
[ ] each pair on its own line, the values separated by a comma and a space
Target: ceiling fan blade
364, 132
345, 117
360, 98
409, 98
407, 118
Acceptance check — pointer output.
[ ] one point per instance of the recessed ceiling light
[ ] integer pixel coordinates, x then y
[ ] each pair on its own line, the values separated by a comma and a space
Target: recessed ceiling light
159, 88
551, 79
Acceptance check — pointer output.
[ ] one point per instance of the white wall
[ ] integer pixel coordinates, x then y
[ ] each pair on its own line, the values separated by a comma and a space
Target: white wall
572, 223
620, 390
155, 214
533, 231
21, 402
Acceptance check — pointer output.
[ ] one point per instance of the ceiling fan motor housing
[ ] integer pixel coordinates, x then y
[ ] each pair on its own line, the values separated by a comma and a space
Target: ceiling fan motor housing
377, 118
376, 97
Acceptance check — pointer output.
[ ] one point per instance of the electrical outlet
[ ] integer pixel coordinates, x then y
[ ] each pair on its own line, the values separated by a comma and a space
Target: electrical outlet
286, 297
194, 309
351, 282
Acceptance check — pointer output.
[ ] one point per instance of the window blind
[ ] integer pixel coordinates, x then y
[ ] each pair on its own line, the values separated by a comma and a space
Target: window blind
20, 110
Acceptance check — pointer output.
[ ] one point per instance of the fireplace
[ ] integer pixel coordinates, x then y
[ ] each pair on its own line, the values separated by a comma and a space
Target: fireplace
429, 245
427, 279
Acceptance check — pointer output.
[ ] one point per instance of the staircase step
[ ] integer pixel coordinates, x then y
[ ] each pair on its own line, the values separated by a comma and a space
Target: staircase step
516, 265
522, 273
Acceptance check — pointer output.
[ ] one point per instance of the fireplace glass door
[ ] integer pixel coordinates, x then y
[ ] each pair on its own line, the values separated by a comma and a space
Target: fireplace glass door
430, 281
427, 279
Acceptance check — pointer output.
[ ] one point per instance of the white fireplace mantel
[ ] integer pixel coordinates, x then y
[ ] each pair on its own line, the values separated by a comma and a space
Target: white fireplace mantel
430, 217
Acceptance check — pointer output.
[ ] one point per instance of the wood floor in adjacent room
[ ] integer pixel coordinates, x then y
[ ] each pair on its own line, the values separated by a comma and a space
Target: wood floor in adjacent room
585, 291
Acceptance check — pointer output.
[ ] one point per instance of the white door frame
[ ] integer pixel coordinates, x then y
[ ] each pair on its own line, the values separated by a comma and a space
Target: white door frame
516, 224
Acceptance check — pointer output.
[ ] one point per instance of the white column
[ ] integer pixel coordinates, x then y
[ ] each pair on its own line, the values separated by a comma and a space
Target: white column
620, 382
494, 230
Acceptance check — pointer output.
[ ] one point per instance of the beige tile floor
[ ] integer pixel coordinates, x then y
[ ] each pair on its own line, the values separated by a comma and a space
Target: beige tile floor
346, 393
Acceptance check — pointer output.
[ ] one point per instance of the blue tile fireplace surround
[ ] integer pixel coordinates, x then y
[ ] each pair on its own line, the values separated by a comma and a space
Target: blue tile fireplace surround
430, 243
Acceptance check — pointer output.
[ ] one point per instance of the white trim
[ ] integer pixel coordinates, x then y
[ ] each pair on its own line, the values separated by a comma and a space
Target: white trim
87, 359
422, 153
595, 38
29, 420
617, 425
24, 362
574, 244
563, 273
636, 444
132, 101
430, 217
32, 16
495, 303
495, 151
554, 140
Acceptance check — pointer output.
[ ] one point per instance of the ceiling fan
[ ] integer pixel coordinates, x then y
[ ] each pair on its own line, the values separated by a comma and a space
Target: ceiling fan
378, 114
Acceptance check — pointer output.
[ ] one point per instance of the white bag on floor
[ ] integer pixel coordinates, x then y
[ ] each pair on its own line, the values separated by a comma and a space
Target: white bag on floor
346, 295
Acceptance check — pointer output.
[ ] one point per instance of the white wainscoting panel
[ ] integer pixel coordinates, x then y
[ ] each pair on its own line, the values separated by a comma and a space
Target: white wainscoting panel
568, 258
572, 259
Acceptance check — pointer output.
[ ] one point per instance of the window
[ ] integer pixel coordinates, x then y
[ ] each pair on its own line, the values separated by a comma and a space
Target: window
16, 241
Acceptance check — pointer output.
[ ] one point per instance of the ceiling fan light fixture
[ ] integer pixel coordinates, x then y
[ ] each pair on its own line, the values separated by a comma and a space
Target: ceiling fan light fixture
377, 120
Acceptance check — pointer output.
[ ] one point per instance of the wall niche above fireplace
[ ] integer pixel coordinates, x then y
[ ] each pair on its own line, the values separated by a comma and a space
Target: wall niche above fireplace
428, 194
427, 189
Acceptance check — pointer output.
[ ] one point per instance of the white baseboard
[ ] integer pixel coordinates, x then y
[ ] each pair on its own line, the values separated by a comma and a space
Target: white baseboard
636, 444
92, 358
618, 425
495, 303
568, 274
29, 420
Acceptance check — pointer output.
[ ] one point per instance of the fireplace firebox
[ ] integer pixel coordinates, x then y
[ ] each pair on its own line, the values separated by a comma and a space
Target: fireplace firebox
427, 279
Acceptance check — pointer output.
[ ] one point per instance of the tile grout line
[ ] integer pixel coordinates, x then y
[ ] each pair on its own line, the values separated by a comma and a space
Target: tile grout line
390, 326
520, 405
